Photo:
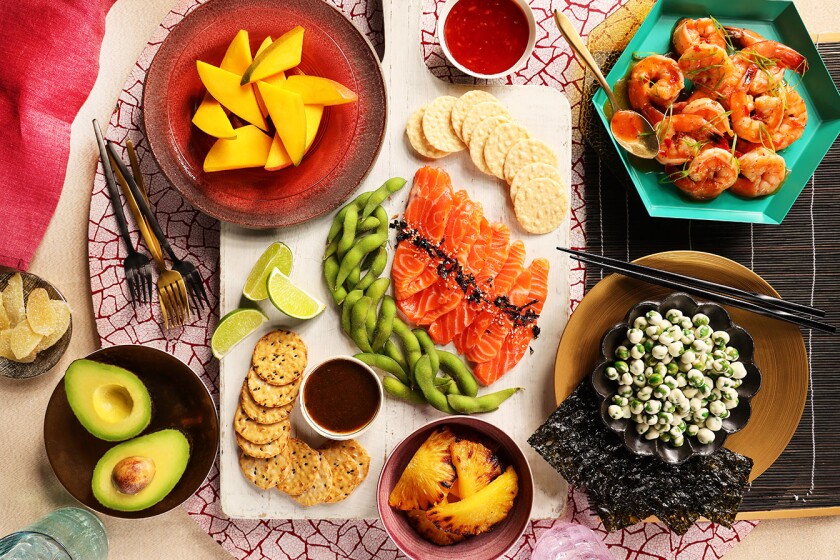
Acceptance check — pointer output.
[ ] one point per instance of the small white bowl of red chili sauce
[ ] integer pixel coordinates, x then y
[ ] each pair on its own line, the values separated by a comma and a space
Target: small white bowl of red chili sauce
487, 39
341, 397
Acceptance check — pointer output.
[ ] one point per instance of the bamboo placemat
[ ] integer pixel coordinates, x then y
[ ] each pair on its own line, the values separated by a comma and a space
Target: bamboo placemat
800, 258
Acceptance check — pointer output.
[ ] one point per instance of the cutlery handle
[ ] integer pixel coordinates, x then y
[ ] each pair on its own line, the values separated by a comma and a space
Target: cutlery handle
152, 240
579, 47
113, 193
142, 224
141, 202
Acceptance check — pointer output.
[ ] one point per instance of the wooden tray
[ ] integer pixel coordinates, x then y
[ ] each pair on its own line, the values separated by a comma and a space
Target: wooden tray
546, 113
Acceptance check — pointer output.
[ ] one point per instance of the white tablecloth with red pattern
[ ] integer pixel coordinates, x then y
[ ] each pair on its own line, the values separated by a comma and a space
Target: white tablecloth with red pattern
198, 236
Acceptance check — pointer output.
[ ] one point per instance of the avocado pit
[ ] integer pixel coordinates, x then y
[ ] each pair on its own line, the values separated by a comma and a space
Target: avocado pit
133, 474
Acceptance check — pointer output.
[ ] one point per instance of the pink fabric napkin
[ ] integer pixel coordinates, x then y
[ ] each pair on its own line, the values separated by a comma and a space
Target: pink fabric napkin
50, 59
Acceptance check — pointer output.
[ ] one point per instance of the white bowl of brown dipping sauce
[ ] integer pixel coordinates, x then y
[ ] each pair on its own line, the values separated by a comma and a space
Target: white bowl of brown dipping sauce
341, 397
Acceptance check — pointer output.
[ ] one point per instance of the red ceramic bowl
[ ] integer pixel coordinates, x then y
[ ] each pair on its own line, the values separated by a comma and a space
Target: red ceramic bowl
488, 546
348, 141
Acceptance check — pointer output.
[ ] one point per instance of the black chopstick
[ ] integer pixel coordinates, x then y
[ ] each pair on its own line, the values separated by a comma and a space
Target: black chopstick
759, 299
720, 298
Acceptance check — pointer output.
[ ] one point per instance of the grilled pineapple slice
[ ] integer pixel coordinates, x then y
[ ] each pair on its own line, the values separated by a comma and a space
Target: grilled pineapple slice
478, 513
429, 475
475, 465
426, 529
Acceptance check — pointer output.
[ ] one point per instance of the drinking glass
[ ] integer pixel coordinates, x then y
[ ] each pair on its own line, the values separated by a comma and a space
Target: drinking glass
68, 533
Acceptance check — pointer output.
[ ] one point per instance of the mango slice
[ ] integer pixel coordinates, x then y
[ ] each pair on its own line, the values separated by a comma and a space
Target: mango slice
289, 118
249, 149
210, 117
315, 90
278, 157
275, 79
282, 54
224, 87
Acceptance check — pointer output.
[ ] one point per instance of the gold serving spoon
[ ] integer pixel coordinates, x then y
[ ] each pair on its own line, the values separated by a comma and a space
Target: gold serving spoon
631, 130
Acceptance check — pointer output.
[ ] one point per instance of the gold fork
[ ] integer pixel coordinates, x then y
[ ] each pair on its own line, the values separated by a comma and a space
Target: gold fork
172, 291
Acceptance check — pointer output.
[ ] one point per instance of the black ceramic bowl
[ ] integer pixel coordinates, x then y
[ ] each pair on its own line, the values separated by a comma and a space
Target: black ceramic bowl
719, 320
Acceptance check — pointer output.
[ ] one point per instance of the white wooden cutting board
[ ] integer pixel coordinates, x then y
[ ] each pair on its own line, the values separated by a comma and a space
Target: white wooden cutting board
546, 113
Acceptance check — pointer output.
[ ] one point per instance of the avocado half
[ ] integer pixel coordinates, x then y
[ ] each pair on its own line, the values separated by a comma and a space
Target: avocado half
109, 401
167, 451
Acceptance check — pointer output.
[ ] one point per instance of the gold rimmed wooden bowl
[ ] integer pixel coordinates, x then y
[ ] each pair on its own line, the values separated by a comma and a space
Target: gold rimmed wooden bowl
779, 348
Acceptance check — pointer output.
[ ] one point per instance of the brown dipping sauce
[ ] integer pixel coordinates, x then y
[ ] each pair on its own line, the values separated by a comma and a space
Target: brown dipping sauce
341, 396
627, 125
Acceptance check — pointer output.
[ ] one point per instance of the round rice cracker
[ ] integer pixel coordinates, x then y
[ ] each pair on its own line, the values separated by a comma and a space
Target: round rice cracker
464, 104
479, 140
270, 395
260, 413
349, 470
265, 473
499, 144
527, 151
437, 125
259, 433
534, 171
279, 357
480, 112
414, 131
322, 486
304, 463
264, 451
541, 205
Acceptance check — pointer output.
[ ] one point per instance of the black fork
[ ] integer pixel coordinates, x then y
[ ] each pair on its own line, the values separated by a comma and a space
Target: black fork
138, 269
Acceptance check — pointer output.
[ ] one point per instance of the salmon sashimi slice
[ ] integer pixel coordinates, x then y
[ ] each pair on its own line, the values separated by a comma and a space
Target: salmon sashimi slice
490, 339
447, 294
501, 284
445, 328
463, 227
517, 341
430, 202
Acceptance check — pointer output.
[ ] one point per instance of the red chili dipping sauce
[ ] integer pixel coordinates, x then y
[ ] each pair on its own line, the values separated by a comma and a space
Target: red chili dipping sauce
341, 396
627, 125
486, 36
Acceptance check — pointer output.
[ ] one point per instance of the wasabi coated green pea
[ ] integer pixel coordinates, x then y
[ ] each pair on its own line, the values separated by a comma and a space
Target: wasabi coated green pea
649, 344
642, 428
700, 319
673, 315
705, 436
703, 331
720, 338
672, 368
614, 411
622, 353
692, 429
611, 373
661, 391
621, 367
484, 403
653, 407
654, 380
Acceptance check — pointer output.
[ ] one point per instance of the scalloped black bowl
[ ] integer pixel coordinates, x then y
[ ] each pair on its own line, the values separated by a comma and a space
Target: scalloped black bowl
739, 416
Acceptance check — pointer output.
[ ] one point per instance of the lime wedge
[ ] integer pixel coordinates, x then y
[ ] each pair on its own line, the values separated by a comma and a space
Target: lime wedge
233, 327
276, 256
291, 300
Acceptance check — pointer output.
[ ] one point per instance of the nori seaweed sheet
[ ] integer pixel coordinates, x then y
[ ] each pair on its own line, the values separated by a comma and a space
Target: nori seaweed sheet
624, 488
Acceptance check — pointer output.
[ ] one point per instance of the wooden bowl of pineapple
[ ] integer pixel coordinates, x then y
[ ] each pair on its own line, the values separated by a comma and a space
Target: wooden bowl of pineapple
458, 487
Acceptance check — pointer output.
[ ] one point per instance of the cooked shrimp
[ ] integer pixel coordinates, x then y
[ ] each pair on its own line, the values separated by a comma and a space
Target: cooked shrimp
682, 137
762, 172
795, 117
713, 171
707, 65
767, 53
710, 110
655, 82
756, 119
695, 31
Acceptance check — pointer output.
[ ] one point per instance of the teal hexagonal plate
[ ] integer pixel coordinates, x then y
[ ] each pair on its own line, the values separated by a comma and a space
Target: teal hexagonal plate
777, 20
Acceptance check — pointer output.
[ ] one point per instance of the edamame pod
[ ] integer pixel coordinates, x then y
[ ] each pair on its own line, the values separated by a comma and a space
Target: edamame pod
347, 306
348, 234
385, 324
384, 363
352, 279
338, 221
394, 388
369, 223
375, 292
381, 215
330, 272
331, 248
428, 348
359, 251
409, 342
392, 351
357, 323
378, 196
452, 364
424, 376
377, 266
484, 403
